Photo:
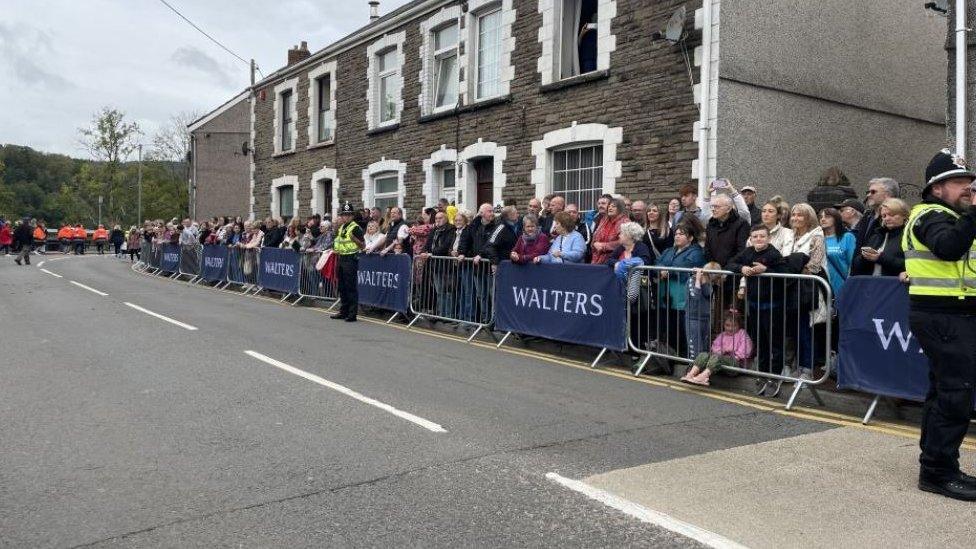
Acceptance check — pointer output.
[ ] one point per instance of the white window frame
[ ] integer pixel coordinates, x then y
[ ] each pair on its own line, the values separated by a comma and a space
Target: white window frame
373, 99
434, 174
446, 17
469, 59
292, 86
467, 179
326, 69
581, 135
284, 181
315, 206
380, 169
549, 65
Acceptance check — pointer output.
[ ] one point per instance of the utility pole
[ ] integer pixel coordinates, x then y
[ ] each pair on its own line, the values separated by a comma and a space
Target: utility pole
99, 209
139, 191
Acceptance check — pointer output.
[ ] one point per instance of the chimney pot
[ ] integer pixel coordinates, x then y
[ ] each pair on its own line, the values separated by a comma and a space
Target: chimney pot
374, 10
297, 54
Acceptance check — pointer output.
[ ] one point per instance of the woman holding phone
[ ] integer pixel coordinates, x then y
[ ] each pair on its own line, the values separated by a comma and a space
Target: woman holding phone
882, 254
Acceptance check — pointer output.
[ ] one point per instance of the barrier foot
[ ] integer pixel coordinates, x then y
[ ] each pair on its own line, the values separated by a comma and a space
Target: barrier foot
285, 298
392, 317
796, 393
332, 307
642, 365
297, 301
475, 333
500, 343
412, 322
871, 408
596, 360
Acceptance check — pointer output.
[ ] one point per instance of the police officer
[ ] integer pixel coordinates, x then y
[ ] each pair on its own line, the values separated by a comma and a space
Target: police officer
348, 243
940, 257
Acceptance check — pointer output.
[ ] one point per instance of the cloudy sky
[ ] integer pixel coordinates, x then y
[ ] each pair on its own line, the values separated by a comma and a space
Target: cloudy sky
62, 60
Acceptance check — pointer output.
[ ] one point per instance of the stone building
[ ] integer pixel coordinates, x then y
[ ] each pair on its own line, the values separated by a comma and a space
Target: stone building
220, 168
501, 100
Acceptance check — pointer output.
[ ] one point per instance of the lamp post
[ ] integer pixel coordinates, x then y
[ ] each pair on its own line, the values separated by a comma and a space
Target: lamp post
99, 209
139, 190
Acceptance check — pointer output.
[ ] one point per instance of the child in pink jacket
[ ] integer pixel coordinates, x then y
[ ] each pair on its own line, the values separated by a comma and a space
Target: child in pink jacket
732, 347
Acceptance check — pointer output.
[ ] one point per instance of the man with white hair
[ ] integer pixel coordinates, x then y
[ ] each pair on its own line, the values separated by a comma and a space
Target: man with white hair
879, 190
726, 233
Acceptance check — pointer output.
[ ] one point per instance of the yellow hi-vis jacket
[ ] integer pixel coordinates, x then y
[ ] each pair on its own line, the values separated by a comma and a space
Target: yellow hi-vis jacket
929, 275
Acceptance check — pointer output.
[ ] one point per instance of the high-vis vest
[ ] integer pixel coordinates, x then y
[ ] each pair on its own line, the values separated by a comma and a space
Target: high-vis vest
39, 233
80, 233
344, 244
930, 275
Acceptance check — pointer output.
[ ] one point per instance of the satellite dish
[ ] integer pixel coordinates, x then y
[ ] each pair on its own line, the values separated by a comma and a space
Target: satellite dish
244, 148
675, 28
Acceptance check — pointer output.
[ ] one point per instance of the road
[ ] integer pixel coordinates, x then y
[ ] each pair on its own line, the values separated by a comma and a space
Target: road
141, 412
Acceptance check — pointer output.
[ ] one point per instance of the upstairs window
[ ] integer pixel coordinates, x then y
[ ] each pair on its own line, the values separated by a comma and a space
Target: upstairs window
287, 125
388, 72
445, 63
577, 38
489, 51
324, 103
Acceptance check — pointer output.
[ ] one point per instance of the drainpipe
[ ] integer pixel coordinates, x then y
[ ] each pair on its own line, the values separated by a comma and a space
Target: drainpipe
961, 77
705, 94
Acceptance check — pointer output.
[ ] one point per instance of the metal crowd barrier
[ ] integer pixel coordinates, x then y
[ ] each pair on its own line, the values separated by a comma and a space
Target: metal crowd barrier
311, 283
190, 260
153, 257
788, 318
242, 268
453, 290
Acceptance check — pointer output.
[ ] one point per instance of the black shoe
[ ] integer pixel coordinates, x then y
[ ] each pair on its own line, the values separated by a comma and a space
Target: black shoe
338, 316
968, 480
17, 261
351, 319
952, 488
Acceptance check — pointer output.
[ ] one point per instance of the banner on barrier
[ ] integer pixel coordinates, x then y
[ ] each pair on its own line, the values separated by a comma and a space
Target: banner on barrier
877, 352
279, 270
213, 267
170, 260
384, 281
581, 304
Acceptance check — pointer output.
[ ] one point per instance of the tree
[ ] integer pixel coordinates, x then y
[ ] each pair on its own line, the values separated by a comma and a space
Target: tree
172, 140
110, 138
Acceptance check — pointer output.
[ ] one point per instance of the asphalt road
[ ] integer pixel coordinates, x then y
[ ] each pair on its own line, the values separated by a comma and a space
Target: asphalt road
121, 428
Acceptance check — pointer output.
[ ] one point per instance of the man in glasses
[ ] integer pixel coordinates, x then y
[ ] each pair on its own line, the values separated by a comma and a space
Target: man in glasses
879, 190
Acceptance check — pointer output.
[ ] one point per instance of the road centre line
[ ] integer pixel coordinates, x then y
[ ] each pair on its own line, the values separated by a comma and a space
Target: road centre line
89, 288
705, 537
161, 317
52, 274
426, 424
39, 265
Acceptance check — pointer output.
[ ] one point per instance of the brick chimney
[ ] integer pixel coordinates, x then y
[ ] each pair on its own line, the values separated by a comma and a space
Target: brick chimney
374, 10
298, 54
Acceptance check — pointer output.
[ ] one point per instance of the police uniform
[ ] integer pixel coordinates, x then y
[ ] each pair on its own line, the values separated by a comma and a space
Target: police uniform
940, 258
348, 243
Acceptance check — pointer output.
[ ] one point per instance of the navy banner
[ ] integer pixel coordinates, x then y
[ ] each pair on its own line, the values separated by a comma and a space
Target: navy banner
877, 352
279, 270
581, 304
213, 266
384, 281
170, 260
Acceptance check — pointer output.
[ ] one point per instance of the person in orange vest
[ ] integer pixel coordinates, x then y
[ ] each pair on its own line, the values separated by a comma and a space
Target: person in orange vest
64, 237
78, 237
100, 236
40, 238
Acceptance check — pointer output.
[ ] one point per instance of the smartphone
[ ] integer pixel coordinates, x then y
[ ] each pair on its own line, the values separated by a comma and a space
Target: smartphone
868, 249
720, 183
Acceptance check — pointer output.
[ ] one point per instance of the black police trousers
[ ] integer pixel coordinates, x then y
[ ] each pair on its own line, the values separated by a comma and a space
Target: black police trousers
949, 342
346, 269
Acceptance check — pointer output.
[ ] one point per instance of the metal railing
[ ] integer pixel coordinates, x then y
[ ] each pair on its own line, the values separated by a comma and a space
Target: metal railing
242, 268
787, 317
311, 283
190, 260
453, 290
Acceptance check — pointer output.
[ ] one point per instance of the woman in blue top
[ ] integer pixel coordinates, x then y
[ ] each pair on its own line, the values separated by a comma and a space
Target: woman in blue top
568, 245
672, 287
840, 245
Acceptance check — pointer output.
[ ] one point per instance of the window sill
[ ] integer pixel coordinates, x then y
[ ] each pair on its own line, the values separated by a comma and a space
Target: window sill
481, 104
384, 129
283, 153
321, 145
576, 81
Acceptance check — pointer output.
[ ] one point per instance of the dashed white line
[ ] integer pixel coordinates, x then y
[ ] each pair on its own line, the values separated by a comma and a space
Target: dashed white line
89, 288
705, 537
183, 325
52, 274
426, 424
39, 265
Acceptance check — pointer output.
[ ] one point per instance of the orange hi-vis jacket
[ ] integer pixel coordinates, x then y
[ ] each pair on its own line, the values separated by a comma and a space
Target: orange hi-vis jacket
39, 233
80, 233
100, 234
65, 233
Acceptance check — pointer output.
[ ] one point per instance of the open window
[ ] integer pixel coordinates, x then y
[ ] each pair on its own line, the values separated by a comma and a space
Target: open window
578, 37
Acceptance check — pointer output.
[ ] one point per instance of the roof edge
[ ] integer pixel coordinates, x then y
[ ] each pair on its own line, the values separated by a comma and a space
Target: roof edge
195, 125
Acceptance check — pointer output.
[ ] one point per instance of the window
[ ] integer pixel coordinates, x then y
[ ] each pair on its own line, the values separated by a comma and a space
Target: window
448, 181
489, 54
577, 37
287, 125
577, 174
386, 190
324, 102
389, 90
286, 201
445, 67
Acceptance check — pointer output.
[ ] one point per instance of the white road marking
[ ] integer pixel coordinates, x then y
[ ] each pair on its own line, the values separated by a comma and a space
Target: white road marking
644, 514
183, 325
89, 288
39, 265
426, 424
52, 274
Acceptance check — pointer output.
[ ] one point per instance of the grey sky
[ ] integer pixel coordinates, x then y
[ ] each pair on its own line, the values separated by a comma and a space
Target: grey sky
61, 60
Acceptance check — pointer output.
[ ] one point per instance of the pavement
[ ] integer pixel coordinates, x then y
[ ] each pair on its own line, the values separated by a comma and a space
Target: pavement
143, 412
